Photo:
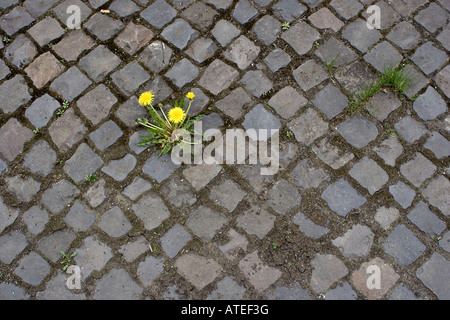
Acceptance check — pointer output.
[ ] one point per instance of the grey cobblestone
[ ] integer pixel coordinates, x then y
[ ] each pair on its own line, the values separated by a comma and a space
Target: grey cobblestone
13, 135
151, 210
21, 51
106, 135
426, 220
260, 275
114, 223
301, 37
356, 242
403, 245
342, 198
80, 217
35, 218
52, 245
120, 168
198, 270
432, 18
32, 269
369, 174
403, 194
103, 26
117, 285
327, 269
13, 94
24, 188
83, 162
432, 273
205, 223
99, 63
11, 245
256, 221
174, 240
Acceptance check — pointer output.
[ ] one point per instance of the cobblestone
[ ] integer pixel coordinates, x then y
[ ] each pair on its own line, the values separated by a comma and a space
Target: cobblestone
179, 33
403, 245
198, 270
429, 105
83, 162
59, 195
21, 51
256, 221
369, 174
327, 269
432, 273
80, 217
356, 242
13, 94
13, 136
342, 198
301, 37
99, 63
106, 135
46, 62
257, 272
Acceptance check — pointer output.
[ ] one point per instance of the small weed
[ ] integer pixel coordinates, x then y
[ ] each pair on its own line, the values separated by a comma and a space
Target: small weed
153, 249
316, 44
391, 131
285, 26
394, 78
6, 39
274, 245
289, 133
331, 66
66, 259
90, 178
65, 105
36, 131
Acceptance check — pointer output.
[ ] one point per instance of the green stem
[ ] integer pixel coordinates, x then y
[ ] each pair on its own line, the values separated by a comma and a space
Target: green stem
151, 126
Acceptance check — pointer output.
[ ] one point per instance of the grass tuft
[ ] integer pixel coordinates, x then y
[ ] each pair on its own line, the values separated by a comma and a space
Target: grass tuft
393, 78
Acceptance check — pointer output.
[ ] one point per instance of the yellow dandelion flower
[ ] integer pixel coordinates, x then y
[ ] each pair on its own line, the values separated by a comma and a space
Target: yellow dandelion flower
146, 98
190, 95
176, 115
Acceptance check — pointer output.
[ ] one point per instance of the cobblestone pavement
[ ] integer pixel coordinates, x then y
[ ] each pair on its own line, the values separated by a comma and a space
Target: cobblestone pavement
357, 195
